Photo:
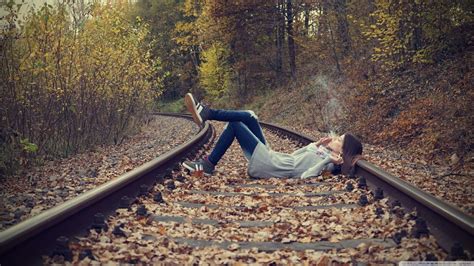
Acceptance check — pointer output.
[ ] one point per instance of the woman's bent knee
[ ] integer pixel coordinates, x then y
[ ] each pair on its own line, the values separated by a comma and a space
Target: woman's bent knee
252, 114
233, 125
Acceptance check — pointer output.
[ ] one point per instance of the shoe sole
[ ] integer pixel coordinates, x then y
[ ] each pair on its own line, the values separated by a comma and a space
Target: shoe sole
191, 106
192, 169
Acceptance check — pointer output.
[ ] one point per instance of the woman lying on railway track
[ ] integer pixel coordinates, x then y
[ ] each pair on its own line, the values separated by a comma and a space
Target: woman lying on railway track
330, 153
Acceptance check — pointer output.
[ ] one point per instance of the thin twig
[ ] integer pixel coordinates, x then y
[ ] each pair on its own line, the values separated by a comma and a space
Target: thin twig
449, 174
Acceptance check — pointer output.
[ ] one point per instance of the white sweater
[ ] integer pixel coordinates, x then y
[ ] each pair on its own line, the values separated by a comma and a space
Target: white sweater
306, 162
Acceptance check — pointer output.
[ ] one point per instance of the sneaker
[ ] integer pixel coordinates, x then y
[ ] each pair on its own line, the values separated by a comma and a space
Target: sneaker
200, 165
199, 111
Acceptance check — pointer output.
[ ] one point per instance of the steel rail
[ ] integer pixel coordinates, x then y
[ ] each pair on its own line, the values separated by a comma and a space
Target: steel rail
25, 242
447, 223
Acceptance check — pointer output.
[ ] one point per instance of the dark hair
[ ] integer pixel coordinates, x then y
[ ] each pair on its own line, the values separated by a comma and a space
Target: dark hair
351, 148
336, 170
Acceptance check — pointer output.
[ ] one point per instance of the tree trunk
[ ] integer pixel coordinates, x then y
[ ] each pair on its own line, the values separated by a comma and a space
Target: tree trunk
417, 30
343, 26
291, 41
306, 19
322, 17
336, 58
280, 35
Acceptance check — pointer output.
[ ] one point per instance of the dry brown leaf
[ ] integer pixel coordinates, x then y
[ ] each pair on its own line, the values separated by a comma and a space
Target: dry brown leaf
306, 239
324, 260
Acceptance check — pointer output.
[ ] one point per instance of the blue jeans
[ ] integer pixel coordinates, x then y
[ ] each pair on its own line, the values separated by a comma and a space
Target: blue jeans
243, 125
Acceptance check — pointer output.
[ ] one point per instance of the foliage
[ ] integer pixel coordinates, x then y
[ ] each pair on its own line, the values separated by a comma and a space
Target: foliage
414, 31
274, 42
71, 79
245, 28
176, 106
162, 17
215, 73
28, 146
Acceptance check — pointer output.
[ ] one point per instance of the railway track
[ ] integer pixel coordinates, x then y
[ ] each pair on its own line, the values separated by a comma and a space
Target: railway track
140, 193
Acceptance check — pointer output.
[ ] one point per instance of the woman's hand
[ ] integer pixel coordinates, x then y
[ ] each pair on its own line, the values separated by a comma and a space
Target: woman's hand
336, 158
324, 141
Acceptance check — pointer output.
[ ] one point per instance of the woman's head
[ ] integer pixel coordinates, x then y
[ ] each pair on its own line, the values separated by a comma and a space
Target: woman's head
351, 145
351, 149
336, 143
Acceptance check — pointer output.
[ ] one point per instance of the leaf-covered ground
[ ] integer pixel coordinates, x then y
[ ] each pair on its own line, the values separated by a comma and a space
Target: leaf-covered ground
44, 187
230, 218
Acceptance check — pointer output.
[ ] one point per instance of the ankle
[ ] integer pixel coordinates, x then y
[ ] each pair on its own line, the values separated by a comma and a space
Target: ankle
208, 113
209, 161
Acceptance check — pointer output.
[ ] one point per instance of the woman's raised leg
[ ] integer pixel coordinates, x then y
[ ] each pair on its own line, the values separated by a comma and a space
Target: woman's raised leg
201, 113
247, 117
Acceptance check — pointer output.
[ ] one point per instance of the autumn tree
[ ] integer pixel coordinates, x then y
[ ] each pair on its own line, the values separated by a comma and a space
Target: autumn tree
215, 73
270, 42
162, 17
67, 86
416, 31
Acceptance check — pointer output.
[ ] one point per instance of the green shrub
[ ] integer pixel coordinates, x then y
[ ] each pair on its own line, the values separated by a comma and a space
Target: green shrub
176, 106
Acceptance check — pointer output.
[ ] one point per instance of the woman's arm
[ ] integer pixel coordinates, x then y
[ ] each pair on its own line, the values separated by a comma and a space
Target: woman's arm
328, 162
317, 169
322, 141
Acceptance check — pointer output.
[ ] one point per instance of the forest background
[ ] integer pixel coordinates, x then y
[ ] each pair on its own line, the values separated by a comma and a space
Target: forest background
397, 73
